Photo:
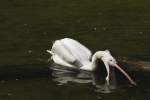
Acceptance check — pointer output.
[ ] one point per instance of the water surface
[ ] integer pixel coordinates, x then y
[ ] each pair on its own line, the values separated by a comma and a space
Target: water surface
28, 28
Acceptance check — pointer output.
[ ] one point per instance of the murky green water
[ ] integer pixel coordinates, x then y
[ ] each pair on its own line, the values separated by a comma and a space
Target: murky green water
48, 89
27, 29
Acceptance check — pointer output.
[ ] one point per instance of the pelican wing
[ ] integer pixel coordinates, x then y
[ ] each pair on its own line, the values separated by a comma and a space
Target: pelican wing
71, 52
78, 50
62, 52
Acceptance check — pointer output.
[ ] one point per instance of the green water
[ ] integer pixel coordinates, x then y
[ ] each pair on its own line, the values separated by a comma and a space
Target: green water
27, 29
47, 89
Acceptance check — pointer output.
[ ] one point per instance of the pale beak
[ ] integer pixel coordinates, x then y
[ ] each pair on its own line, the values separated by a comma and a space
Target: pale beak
125, 74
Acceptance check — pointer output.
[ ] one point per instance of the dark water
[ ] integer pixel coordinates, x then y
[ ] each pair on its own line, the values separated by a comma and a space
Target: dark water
27, 29
67, 88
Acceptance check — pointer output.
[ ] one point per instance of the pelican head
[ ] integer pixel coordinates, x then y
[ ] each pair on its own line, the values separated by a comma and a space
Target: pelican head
110, 61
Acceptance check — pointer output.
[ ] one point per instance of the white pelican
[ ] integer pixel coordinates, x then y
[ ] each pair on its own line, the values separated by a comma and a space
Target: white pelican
70, 53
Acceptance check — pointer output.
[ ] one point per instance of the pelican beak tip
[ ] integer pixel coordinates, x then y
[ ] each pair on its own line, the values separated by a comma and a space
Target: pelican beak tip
128, 77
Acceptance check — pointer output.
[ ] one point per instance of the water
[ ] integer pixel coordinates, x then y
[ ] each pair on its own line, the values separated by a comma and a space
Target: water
48, 88
27, 29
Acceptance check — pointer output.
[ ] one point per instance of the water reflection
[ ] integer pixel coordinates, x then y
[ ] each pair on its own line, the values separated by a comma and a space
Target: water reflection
65, 76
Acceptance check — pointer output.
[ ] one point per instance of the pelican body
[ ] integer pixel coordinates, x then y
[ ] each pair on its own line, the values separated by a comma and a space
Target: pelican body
70, 53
